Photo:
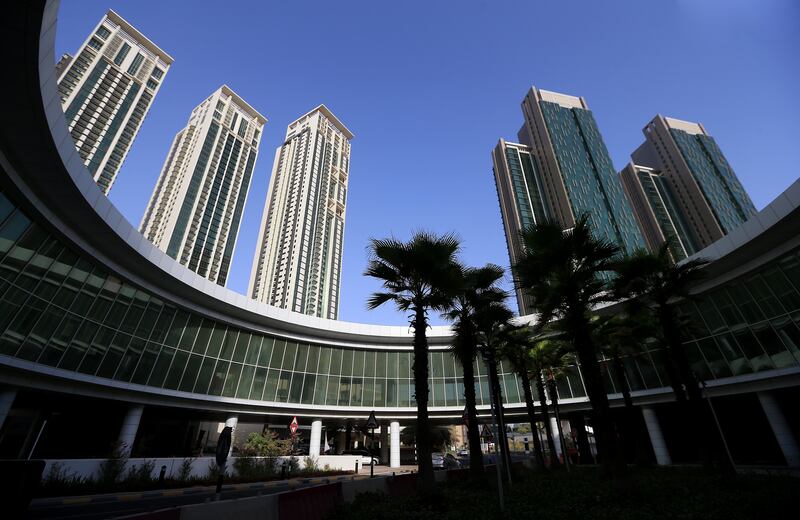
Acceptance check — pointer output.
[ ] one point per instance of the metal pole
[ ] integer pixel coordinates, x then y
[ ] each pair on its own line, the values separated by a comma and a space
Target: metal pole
719, 427
38, 436
497, 462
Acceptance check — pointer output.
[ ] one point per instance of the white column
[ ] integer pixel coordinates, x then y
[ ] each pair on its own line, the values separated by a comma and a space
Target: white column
384, 437
777, 421
232, 421
130, 425
7, 396
656, 437
316, 437
556, 436
394, 444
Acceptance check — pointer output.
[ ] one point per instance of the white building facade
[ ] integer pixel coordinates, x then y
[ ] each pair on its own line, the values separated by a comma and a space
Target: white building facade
197, 203
106, 91
298, 257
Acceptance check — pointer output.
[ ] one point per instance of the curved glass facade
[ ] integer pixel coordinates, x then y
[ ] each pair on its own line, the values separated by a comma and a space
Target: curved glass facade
60, 309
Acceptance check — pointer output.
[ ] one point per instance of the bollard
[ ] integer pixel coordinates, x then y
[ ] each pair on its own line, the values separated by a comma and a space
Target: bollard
283, 470
162, 475
371, 468
356, 467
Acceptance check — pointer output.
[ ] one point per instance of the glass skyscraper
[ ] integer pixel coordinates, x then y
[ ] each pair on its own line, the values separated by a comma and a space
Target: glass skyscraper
106, 91
196, 206
575, 167
298, 256
711, 199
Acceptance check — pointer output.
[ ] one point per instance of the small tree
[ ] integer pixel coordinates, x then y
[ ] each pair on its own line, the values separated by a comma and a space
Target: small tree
265, 444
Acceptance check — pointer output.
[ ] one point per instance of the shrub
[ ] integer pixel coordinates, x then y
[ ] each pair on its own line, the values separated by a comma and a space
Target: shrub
112, 468
213, 471
265, 444
142, 474
310, 465
185, 470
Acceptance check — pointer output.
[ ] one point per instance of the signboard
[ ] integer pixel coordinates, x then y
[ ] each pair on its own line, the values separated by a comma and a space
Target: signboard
372, 422
224, 446
486, 433
293, 426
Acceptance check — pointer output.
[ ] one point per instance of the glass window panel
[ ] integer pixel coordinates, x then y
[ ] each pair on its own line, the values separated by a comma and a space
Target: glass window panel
726, 308
245, 382
738, 363
368, 394
392, 365
190, 333
58, 344
308, 389
271, 386
146, 363
130, 359
78, 346
217, 338
745, 302
22, 324
320, 390
759, 359
404, 392
114, 355
356, 391
97, 349
391, 393
336, 361
176, 370
40, 334
296, 387
277, 354
149, 319
203, 335
449, 365
163, 362
190, 374
764, 297
380, 364
313, 358
358, 362
284, 382
266, 351
301, 358
437, 364
332, 398
712, 318
289, 355
696, 361
789, 334
651, 366
451, 392
176, 329
229, 344
347, 362
324, 361
379, 387
242, 343
404, 365
716, 361
790, 265
369, 364
344, 391
218, 379
253, 350
576, 384
780, 356
259, 379
12, 229
632, 374
163, 324
787, 295
232, 380
204, 375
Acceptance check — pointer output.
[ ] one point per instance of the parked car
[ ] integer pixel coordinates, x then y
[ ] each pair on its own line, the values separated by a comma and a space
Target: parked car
366, 457
444, 461
438, 460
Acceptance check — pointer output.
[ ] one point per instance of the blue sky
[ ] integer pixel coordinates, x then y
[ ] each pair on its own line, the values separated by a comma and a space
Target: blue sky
429, 87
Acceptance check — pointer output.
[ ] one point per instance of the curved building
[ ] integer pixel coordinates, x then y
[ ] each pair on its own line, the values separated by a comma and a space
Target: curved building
104, 336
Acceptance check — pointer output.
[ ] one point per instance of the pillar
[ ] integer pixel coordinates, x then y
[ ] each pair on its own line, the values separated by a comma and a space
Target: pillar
130, 425
232, 421
556, 436
7, 396
394, 445
780, 428
315, 439
384, 438
656, 437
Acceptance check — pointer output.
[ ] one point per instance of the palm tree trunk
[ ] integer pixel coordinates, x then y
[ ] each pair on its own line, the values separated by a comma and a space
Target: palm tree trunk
551, 444
537, 446
494, 379
473, 431
610, 458
630, 426
425, 481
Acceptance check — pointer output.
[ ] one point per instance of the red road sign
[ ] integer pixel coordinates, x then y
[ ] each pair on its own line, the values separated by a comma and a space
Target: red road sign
293, 426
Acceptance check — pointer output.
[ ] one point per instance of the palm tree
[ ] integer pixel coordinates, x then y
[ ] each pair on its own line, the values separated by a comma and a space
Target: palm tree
556, 369
545, 354
518, 350
478, 288
656, 282
564, 272
492, 323
417, 276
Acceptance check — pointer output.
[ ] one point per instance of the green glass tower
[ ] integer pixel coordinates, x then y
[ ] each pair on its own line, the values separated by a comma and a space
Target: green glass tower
575, 167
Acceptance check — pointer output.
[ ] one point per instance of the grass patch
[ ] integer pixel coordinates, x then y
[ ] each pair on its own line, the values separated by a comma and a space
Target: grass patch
655, 494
